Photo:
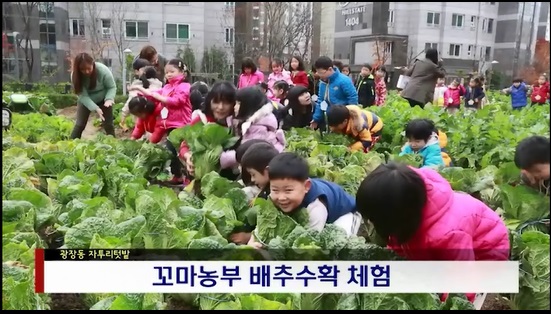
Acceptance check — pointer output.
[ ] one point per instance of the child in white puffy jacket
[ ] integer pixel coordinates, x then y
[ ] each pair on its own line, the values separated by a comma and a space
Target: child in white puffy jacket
147, 79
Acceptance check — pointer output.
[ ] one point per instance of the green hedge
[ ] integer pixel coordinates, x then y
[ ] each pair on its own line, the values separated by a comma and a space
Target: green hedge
60, 101
56, 100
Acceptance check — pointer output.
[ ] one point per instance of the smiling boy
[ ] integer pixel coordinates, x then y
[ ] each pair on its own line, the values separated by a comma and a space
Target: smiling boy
291, 189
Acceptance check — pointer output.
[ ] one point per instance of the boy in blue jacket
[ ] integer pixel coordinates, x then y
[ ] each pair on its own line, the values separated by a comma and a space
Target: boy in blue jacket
519, 94
335, 89
291, 189
424, 141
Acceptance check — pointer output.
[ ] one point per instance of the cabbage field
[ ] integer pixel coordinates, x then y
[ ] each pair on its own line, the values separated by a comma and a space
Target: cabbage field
76, 194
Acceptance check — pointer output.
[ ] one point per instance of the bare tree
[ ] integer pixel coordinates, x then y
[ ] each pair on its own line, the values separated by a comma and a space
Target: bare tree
287, 29
26, 11
119, 13
97, 42
222, 58
381, 52
304, 29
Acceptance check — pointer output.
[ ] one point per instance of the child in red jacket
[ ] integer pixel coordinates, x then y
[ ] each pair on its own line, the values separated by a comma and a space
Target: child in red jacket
380, 87
540, 91
298, 72
151, 121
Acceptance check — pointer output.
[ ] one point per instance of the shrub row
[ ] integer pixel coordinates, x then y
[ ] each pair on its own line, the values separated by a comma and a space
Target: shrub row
60, 101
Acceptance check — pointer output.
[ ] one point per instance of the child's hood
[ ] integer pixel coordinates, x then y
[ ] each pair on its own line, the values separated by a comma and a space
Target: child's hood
137, 82
201, 115
433, 140
263, 116
358, 122
155, 83
439, 195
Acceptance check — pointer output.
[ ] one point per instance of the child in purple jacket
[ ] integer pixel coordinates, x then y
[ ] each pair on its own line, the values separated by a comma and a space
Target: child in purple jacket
254, 119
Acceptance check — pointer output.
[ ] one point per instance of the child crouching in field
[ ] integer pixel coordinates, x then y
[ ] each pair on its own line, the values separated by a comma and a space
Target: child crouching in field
255, 164
291, 189
146, 77
254, 119
423, 139
532, 156
360, 124
244, 177
149, 119
423, 219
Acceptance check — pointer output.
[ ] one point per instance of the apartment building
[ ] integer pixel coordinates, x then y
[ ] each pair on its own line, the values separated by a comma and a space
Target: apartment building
109, 29
547, 26
266, 29
515, 40
324, 29
468, 37
38, 54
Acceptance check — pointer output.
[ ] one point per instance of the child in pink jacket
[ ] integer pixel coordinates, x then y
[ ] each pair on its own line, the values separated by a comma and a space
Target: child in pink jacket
278, 74
433, 223
254, 119
453, 95
380, 87
250, 75
176, 111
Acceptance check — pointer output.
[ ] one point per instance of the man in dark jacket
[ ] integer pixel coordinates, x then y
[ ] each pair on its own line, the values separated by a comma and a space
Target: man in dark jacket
365, 86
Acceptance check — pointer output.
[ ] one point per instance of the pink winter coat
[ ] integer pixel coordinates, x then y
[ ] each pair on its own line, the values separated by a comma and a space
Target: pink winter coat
455, 227
178, 104
246, 80
261, 125
455, 95
274, 77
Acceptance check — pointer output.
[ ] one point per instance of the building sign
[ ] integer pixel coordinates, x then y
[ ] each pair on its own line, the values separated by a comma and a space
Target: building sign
351, 14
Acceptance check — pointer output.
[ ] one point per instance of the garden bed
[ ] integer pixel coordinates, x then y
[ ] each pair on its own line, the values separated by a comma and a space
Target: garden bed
67, 301
495, 302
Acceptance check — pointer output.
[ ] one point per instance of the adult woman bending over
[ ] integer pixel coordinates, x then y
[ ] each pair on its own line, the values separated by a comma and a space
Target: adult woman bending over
95, 87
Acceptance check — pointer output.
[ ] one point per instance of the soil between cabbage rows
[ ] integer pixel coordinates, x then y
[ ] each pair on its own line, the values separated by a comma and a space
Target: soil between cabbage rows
90, 131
